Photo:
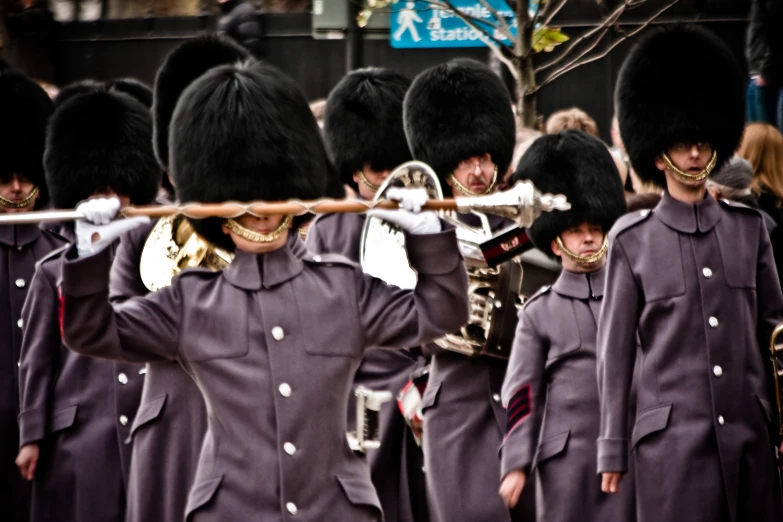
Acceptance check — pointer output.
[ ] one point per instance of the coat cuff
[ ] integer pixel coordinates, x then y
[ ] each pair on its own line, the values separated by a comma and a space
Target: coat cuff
514, 454
32, 426
612, 455
433, 254
85, 276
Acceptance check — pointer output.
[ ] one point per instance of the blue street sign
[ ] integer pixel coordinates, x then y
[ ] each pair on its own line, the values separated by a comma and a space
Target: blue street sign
420, 24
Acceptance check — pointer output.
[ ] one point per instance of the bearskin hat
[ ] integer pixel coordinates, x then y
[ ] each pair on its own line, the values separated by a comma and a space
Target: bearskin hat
363, 122
679, 84
579, 166
25, 109
97, 140
75, 89
181, 67
140, 91
457, 110
245, 132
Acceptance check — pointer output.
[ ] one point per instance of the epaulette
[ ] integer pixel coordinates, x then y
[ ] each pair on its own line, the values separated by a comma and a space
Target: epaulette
629, 221
541, 291
57, 252
329, 259
736, 205
201, 272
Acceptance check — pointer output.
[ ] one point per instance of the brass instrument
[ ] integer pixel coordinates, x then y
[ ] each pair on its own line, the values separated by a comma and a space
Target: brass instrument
171, 247
775, 354
495, 269
368, 419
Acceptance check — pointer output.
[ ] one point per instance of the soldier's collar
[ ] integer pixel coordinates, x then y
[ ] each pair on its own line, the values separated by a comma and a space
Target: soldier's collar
19, 235
581, 286
254, 271
686, 217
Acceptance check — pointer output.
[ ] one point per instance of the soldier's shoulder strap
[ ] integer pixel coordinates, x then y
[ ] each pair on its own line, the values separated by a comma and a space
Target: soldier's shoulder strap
541, 291
629, 221
329, 259
739, 207
57, 252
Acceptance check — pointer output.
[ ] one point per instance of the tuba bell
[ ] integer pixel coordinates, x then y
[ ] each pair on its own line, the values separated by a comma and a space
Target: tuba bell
171, 247
495, 269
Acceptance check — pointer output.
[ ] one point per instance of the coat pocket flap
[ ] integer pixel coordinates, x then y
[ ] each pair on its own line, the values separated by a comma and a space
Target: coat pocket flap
552, 446
64, 418
651, 421
430, 398
201, 493
360, 492
767, 407
148, 412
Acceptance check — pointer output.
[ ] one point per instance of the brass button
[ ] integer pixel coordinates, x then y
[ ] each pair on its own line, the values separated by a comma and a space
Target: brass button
291, 507
717, 370
496, 397
19, 283
122, 378
317, 259
706, 272
289, 448
713, 322
278, 333
721, 420
20, 323
123, 420
285, 389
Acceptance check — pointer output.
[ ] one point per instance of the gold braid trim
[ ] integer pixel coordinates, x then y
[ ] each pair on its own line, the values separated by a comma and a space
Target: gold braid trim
584, 260
7, 203
690, 177
259, 237
366, 182
465, 191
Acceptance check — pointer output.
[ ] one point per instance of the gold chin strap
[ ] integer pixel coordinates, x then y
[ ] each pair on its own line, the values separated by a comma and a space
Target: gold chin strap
584, 260
366, 182
690, 177
465, 191
259, 237
7, 203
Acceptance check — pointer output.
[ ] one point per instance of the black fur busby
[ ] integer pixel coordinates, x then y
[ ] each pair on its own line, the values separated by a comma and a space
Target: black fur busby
98, 140
181, 67
245, 132
25, 108
457, 110
133, 87
579, 166
363, 122
679, 84
75, 89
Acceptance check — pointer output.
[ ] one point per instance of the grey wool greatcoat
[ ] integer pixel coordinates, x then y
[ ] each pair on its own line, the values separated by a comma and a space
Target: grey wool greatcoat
21, 246
551, 396
170, 424
78, 410
273, 342
395, 467
464, 423
697, 284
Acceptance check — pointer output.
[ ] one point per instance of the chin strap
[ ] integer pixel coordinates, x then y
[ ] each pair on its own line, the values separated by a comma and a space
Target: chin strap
366, 182
7, 203
259, 237
583, 260
465, 191
690, 177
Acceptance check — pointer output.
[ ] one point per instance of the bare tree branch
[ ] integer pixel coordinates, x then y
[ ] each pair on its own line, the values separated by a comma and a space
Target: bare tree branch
550, 16
503, 25
609, 21
578, 63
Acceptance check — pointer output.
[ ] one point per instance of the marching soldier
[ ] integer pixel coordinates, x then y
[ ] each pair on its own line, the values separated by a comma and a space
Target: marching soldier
169, 428
458, 119
77, 411
365, 140
550, 391
694, 280
272, 341
25, 108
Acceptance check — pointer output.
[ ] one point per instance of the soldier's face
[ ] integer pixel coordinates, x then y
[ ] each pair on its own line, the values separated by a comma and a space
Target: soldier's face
376, 177
691, 158
16, 187
475, 173
264, 225
583, 240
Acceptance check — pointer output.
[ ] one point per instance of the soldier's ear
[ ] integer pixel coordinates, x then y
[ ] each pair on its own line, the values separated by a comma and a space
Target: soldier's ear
659, 164
555, 249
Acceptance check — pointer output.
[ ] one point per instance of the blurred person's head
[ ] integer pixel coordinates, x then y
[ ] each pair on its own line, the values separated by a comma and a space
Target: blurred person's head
617, 140
571, 119
762, 146
732, 181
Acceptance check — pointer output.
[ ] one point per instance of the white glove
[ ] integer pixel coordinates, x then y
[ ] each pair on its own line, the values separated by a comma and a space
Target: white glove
98, 230
409, 217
